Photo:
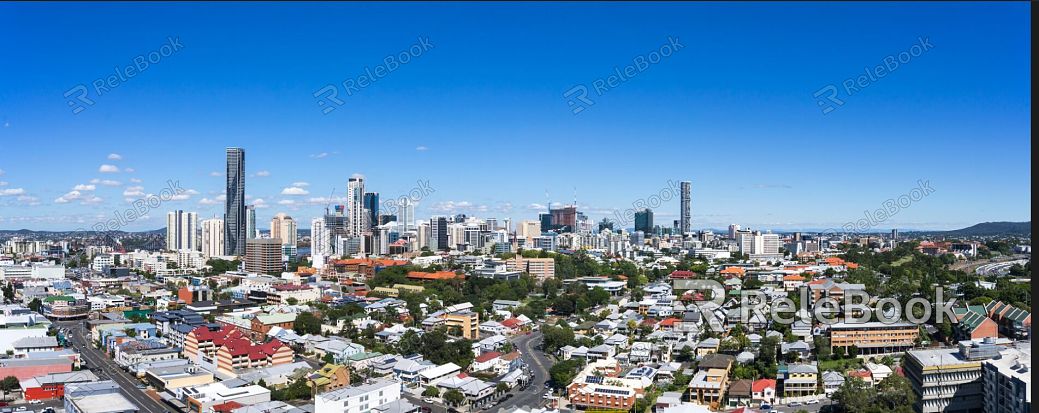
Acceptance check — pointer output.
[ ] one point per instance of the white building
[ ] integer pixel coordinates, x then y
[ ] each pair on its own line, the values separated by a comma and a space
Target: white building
359, 399
181, 230
213, 238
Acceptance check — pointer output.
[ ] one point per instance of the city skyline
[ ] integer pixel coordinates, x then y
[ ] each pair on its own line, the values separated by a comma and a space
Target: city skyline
753, 142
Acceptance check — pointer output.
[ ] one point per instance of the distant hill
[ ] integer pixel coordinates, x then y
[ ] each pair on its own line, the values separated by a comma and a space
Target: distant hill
993, 228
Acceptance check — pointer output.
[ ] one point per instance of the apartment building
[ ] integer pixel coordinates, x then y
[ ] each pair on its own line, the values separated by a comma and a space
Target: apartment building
539, 268
949, 380
597, 387
1007, 381
799, 380
874, 337
227, 350
378, 395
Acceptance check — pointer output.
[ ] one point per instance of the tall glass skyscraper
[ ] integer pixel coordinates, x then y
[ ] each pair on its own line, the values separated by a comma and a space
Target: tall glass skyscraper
371, 203
685, 214
234, 205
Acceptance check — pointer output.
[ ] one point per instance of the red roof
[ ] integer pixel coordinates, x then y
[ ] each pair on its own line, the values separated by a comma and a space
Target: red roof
668, 322
226, 407
485, 357
761, 384
682, 274
511, 323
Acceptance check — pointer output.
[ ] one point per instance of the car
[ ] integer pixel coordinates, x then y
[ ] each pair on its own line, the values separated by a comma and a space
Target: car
765, 407
141, 386
20, 408
35, 401
795, 404
427, 400
812, 401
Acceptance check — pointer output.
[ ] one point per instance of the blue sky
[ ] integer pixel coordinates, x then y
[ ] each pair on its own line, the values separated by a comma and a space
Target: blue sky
481, 116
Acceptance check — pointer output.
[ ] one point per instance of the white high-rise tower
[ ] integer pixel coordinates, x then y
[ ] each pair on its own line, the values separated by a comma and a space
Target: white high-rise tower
356, 214
181, 230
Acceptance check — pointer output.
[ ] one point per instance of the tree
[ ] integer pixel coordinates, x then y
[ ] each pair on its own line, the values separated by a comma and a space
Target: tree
9, 383
563, 372
291, 301
454, 397
430, 391
501, 388
556, 337
35, 305
328, 358
306, 323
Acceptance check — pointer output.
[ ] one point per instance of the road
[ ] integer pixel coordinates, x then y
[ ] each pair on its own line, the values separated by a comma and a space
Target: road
539, 364
1000, 268
109, 370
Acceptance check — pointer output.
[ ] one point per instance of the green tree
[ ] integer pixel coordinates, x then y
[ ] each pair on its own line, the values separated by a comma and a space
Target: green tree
454, 397
562, 373
9, 383
291, 301
306, 323
430, 391
35, 305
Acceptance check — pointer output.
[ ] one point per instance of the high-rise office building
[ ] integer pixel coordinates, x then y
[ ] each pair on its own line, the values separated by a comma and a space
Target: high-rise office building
283, 228
371, 204
407, 214
684, 205
336, 227
319, 241
356, 215
250, 222
733, 230
438, 234
263, 256
212, 237
234, 205
894, 235
644, 221
181, 230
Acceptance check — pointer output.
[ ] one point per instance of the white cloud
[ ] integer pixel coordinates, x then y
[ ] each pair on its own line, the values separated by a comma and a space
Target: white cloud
301, 184
260, 203
95, 181
215, 173
452, 206
421, 148
130, 170
286, 202
537, 207
2, 172
82, 187
92, 200
135, 180
357, 175
3, 183
70, 196
108, 169
292, 190
207, 201
135, 191
115, 157
221, 197
110, 182
263, 173
29, 200
319, 155
12, 191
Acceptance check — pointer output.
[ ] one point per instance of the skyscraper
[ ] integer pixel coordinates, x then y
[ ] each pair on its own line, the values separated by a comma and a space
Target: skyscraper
234, 205
283, 228
181, 230
319, 240
250, 222
371, 204
644, 221
438, 234
685, 213
212, 237
356, 216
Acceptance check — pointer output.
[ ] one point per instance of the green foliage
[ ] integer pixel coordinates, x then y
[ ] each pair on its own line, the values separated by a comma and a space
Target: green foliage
562, 373
454, 397
298, 390
556, 337
219, 266
437, 349
306, 323
892, 395
35, 305
430, 391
